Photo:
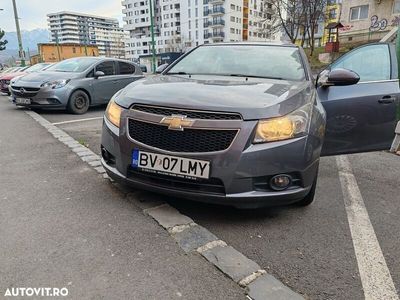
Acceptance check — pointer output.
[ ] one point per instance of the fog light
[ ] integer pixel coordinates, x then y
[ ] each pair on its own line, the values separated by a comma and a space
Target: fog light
280, 182
107, 156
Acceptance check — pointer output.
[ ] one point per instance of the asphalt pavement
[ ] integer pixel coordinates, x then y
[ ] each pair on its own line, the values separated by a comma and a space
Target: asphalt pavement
312, 250
62, 226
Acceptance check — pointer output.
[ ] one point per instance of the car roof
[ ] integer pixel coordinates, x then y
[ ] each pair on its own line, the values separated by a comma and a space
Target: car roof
100, 58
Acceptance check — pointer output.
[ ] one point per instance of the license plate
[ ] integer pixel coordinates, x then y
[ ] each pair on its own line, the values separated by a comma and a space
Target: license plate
23, 101
170, 165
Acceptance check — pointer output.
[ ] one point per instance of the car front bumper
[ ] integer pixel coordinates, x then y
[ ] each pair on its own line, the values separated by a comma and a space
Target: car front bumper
243, 175
45, 97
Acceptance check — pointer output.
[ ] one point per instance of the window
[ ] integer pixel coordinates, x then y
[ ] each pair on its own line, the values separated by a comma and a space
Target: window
396, 7
125, 68
359, 12
107, 67
332, 13
282, 62
377, 68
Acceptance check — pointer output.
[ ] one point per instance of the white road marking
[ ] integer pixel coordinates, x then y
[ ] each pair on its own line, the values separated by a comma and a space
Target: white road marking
375, 276
76, 121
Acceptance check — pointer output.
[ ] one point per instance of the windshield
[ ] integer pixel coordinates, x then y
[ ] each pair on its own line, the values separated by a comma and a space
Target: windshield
243, 60
36, 68
73, 65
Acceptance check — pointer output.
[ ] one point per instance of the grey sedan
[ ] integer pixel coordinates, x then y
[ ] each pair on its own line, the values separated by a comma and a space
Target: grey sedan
244, 124
75, 84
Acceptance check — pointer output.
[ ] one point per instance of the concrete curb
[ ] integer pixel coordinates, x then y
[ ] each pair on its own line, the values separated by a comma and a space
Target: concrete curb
191, 237
396, 142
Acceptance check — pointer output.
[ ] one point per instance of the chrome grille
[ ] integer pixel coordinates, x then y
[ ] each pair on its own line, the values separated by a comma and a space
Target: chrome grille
189, 140
192, 114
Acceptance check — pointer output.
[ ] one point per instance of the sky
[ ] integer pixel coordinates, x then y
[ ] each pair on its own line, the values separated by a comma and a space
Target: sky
32, 13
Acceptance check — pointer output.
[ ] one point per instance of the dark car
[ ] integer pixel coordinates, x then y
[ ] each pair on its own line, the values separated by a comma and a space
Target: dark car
75, 84
244, 124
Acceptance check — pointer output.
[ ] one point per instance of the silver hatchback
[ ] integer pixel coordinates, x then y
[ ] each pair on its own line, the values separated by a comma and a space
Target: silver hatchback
75, 84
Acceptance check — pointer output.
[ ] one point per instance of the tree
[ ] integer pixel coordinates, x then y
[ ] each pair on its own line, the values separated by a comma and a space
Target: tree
2, 43
314, 15
286, 16
295, 18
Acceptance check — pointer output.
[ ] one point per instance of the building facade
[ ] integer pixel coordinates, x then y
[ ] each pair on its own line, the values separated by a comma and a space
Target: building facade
51, 52
84, 29
368, 20
181, 24
332, 15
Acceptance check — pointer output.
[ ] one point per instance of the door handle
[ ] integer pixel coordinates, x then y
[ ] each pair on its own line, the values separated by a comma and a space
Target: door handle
387, 99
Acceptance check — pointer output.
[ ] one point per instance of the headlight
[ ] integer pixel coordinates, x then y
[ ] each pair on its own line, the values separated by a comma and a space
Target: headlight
56, 84
113, 113
290, 126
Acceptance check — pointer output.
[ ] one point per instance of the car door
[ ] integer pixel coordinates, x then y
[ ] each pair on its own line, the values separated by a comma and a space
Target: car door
362, 117
104, 87
127, 74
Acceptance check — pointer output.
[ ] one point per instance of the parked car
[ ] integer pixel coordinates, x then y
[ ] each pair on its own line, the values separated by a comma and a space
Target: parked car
218, 128
9, 78
75, 84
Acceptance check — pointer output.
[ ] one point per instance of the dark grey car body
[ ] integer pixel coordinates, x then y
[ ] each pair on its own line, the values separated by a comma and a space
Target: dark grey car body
241, 173
99, 89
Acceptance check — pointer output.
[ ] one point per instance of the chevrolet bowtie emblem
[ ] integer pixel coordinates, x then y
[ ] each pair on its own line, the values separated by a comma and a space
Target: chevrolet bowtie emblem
177, 122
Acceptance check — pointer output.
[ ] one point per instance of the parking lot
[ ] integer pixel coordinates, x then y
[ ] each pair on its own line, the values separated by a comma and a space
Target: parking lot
316, 250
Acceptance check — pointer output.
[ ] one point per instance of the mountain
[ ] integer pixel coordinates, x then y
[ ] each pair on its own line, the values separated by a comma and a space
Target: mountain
30, 39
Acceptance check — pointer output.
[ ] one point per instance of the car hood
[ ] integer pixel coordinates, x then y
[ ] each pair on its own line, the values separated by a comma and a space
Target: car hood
38, 78
253, 98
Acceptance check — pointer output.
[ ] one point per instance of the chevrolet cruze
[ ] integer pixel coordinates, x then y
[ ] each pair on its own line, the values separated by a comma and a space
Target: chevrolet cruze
244, 124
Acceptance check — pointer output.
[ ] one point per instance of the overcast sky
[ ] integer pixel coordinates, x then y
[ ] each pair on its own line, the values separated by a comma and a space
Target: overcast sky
32, 13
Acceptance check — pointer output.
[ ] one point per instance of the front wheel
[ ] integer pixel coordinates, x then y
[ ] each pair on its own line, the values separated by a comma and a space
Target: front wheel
78, 103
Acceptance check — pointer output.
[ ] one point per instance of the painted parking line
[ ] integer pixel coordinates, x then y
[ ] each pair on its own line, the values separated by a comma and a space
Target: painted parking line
375, 276
76, 121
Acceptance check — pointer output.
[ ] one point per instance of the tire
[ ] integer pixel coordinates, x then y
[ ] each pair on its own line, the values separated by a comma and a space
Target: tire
78, 103
307, 200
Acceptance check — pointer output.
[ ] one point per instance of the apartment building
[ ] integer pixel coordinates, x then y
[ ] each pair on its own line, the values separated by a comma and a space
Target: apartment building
85, 29
368, 20
180, 24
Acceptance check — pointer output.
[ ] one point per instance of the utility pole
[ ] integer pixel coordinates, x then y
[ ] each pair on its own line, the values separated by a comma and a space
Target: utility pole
58, 46
153, 49
21, 49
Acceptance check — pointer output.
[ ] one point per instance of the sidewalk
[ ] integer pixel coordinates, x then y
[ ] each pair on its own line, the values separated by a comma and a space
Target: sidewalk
62, 225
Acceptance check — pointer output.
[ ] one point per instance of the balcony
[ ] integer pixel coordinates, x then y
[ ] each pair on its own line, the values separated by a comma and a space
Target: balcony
217, 11
215, 1
206, 12
207, 35
218, 22
207, 24
218, 35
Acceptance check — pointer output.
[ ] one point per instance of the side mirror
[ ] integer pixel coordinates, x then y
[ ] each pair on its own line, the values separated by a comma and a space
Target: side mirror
161, 68
338, 77
98, 74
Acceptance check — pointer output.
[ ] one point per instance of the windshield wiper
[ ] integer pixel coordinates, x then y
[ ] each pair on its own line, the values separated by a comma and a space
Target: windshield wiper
178, 73
252, 76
